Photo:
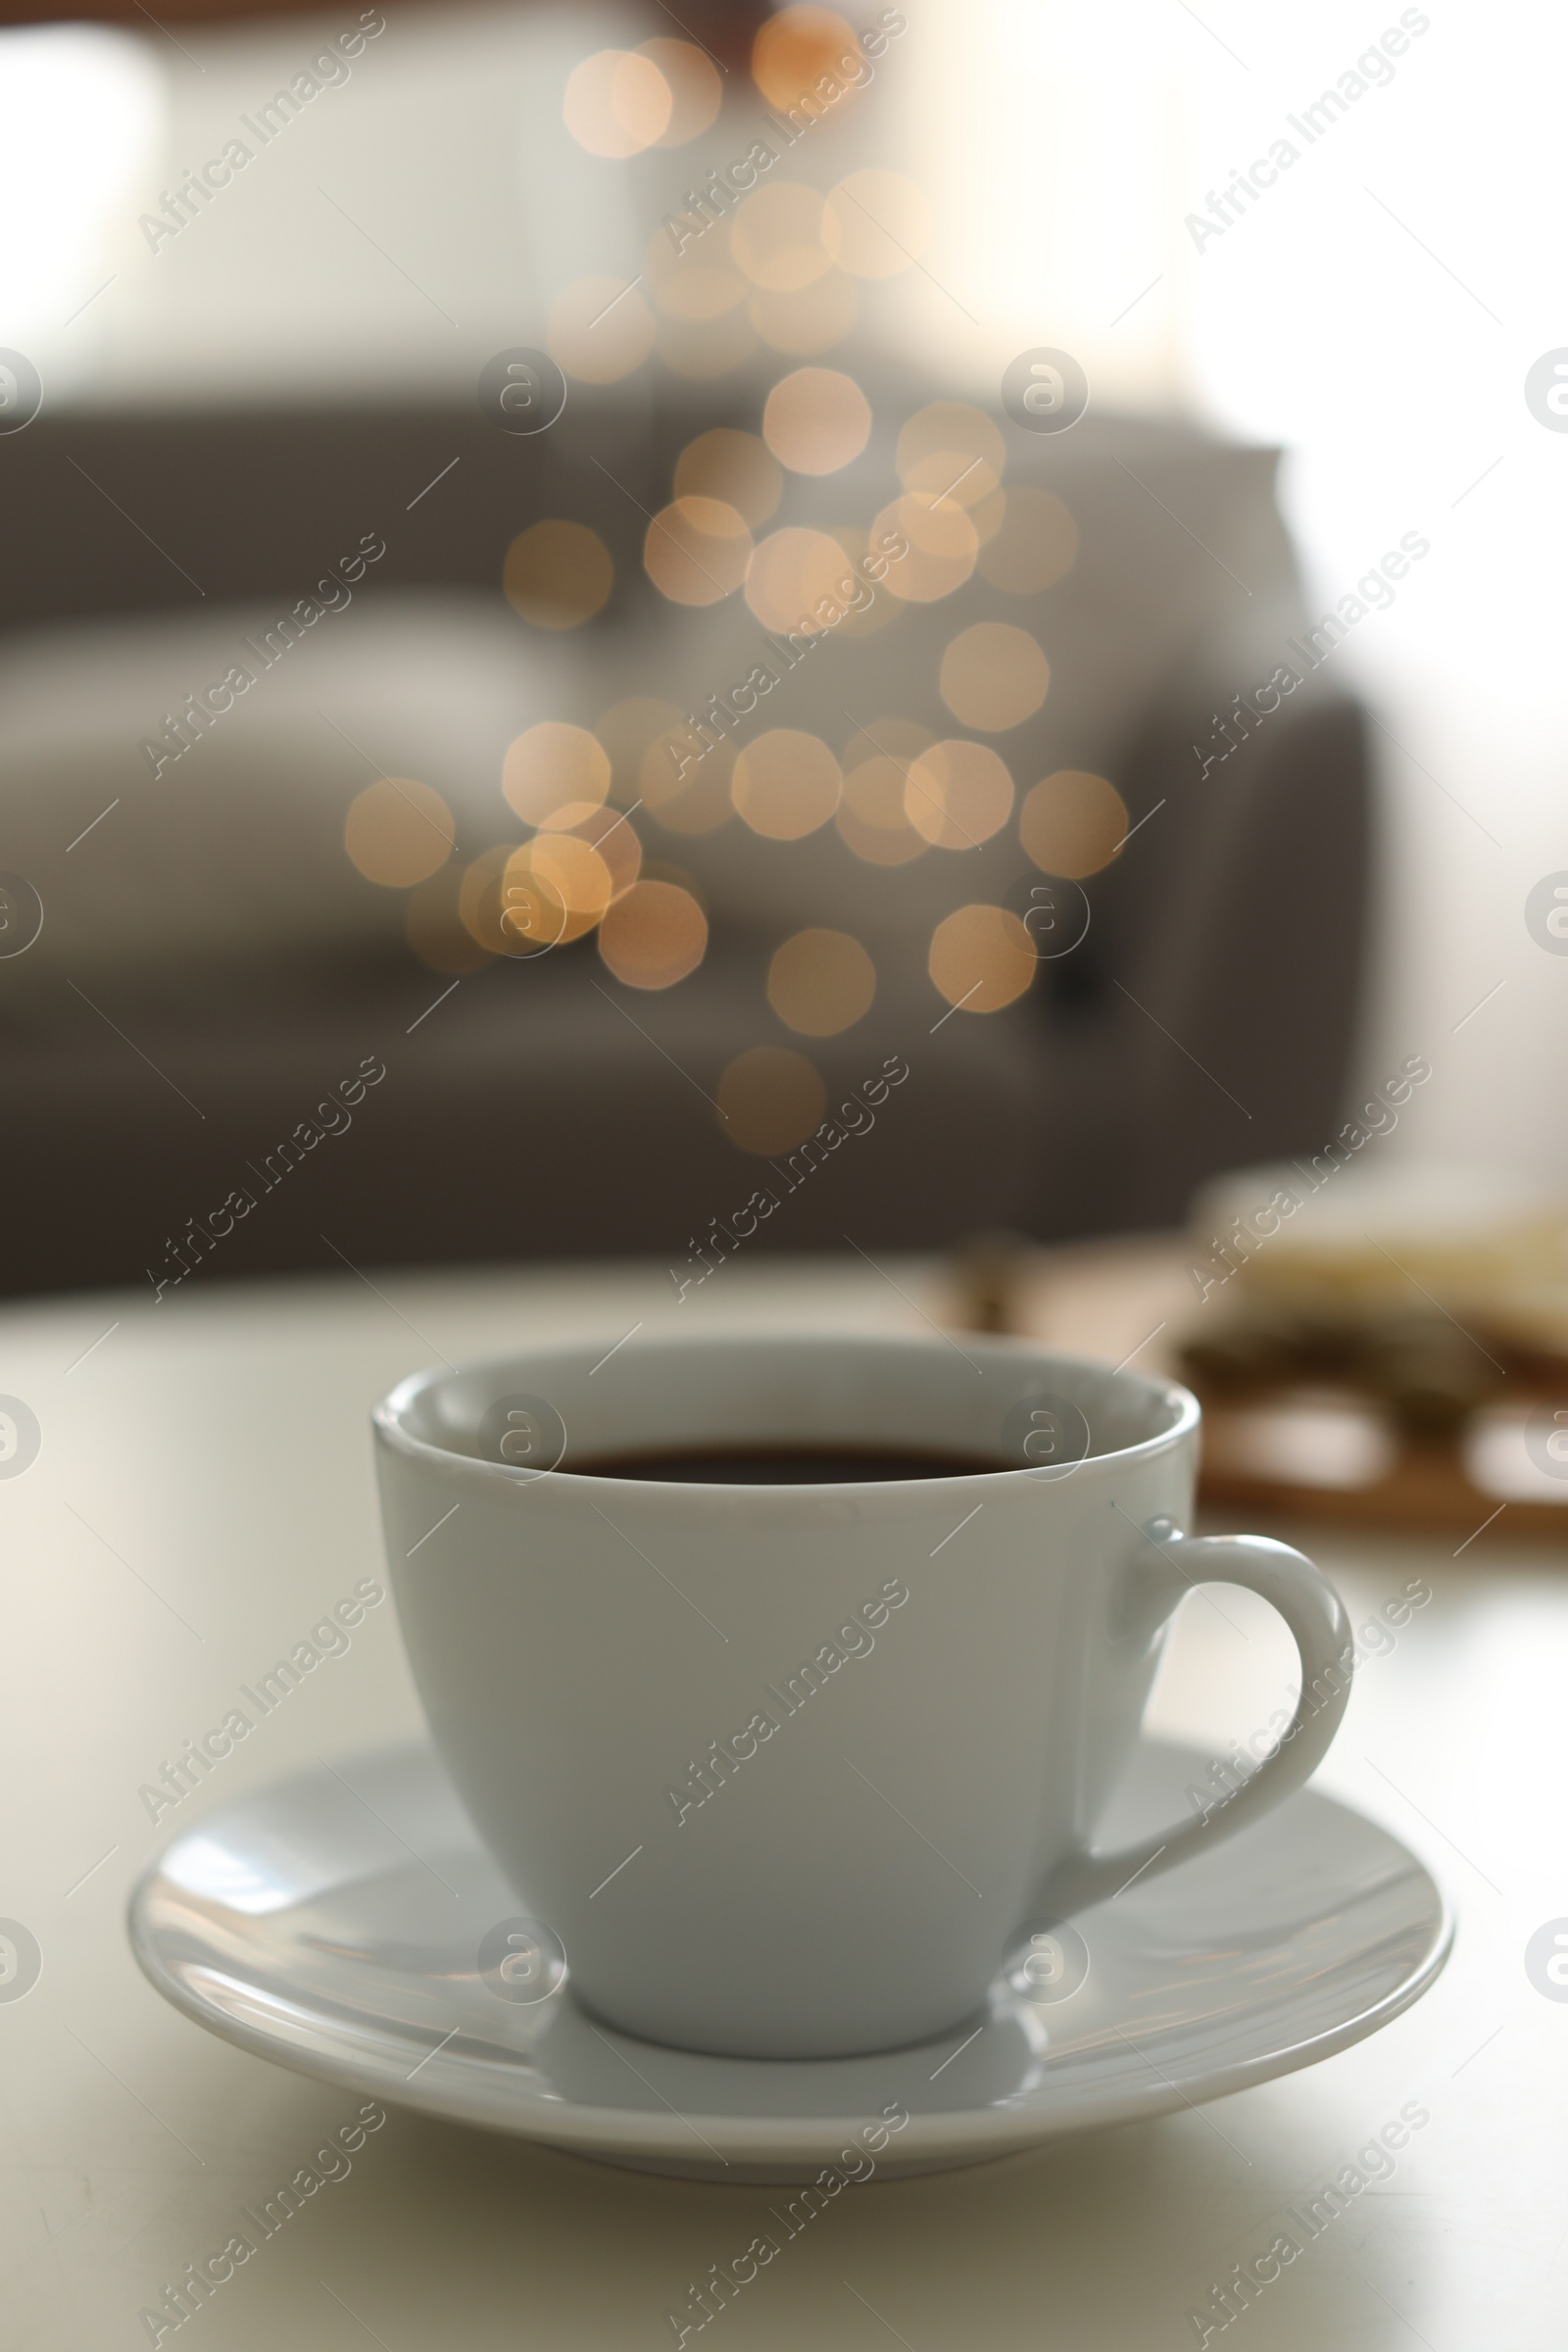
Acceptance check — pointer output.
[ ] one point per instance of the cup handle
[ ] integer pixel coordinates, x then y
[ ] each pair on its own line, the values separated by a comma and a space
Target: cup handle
1315, 1614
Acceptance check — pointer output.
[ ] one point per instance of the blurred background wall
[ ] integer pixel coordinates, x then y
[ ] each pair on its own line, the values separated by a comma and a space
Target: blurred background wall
1071, 179
1059, 150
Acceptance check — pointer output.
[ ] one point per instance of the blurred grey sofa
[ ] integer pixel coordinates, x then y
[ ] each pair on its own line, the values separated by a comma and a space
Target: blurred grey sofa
212, 967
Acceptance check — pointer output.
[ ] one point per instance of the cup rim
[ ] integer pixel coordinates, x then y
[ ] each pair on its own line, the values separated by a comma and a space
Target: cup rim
389, 1427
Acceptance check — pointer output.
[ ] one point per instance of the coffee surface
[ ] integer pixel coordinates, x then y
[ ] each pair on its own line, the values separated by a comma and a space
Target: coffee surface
785, 1465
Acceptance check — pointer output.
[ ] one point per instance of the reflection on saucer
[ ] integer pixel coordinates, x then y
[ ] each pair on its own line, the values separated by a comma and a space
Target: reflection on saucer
351, 1925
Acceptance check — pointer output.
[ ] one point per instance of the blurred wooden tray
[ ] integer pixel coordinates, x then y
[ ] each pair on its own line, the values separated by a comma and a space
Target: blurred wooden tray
1330, 1456
1323, 1454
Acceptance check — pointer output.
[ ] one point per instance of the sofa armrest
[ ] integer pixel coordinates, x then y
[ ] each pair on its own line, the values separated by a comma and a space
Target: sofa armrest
1220, 980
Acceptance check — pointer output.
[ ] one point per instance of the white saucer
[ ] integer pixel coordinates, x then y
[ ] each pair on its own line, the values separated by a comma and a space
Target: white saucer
302, 1925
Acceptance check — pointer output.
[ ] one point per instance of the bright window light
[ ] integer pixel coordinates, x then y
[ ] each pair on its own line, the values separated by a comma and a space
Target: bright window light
81, 113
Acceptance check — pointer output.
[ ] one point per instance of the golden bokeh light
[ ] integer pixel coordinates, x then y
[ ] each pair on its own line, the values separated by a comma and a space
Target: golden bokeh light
574, 871
685, 787
898, 738
670, 760
617, 102
481, 882
797, 581
509, 910
435, 928
555, 774
734, 466
654, 936
775, 237
939, 526
1034, 546
617, 842
994, 676
697, 550
872, 818
957, 794
769, 1099
599, 329
694, 86
1072, 823
398, 832
611, 834
816, 420
809, 321
786, 784
988, 514
796, 50
877, 607
554, 889
697, 284
981, 959
878, 223
953, 452
822, 982
557, 574
943, 544
532, 917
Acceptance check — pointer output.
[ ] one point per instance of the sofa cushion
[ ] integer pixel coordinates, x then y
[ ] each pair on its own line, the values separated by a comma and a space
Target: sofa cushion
232, 853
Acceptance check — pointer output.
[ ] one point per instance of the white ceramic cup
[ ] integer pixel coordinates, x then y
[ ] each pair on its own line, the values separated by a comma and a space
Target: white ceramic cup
789, 1770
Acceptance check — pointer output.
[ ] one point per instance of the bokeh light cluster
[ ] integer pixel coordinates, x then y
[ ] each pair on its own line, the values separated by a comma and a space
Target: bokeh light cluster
773, 260
782, 265
618, 102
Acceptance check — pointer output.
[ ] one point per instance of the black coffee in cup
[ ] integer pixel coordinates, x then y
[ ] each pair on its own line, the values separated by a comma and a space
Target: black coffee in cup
762, 1465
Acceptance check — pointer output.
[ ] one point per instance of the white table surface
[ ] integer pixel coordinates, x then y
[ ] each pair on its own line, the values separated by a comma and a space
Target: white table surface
204, 1492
